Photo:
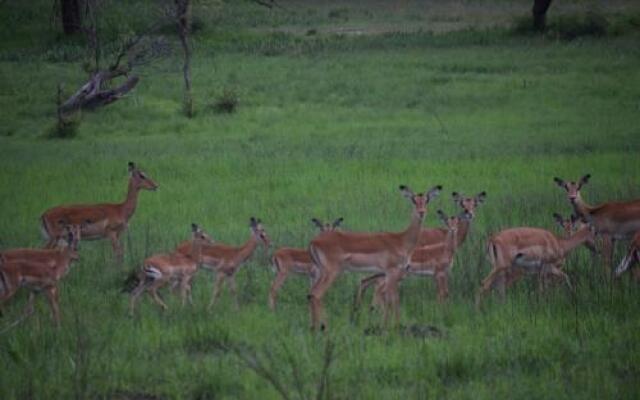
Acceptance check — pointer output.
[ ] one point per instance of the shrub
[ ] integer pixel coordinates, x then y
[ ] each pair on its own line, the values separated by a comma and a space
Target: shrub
65, 128
227, 102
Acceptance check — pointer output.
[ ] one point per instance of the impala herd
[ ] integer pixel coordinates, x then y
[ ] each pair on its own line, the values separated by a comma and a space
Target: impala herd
388, 256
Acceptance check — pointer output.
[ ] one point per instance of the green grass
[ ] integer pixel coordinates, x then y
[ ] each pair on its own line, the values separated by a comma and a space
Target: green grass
326, 126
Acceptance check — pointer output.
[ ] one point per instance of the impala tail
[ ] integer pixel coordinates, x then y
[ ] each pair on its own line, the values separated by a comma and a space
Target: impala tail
628, 261
132, 280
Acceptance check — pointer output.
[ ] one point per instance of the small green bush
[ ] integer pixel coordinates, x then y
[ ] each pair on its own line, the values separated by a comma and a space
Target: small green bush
227, 102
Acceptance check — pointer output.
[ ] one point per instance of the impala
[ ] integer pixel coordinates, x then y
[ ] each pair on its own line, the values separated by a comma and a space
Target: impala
432, 260
612, 221
99, 221
288, 259
162, 269
632, 257
434, 236
515, 251
431, 236
39, 274
225, 260
387, 252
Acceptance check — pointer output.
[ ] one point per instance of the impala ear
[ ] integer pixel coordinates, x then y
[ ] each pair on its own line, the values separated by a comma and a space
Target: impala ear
253, 222
131, 166
337, 222
433, 192
559, 182
456, 196
194, 227
406, 192
558, 218
584, 179
480, 197
316, 222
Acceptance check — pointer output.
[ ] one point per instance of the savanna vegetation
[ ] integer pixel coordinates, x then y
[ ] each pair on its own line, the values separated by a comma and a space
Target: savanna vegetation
321, 109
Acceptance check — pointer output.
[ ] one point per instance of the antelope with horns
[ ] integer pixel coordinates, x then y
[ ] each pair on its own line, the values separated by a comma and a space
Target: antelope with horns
99, 221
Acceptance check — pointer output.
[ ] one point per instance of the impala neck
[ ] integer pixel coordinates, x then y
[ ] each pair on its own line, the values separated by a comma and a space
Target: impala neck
248, 248
129, 205
574, 240
452, 241
196, 250
580, 207
412, 233
463, 229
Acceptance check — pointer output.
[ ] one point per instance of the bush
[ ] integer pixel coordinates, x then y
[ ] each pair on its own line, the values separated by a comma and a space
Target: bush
227, 102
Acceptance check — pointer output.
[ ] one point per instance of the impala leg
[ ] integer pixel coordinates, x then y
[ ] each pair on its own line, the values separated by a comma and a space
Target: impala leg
364, 285
379, 295
114, 236
185, 283
392, 297
136, 292
29, 308
554, 270
317, 293
488, 282
217, 287
233, 289
52, 295
442, 280
153, 292
279, 280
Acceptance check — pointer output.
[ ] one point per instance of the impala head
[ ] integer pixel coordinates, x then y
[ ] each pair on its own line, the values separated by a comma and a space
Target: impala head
420, 200
327, 227
140, 179
71, 240
569, 225
572, 188
197, 233
453, 222
258, 231
469, 204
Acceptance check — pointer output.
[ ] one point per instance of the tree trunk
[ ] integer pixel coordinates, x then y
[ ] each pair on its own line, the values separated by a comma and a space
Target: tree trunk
71, 16
539, 12
183, 11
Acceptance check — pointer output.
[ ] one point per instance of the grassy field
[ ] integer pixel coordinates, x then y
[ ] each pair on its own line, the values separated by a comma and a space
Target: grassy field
327, 125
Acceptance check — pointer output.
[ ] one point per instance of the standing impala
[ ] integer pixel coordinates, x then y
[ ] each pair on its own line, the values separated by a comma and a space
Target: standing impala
516, 251
99, 221
632, 257
39, 273
288, 259
432, 260
162, 269
225, 260
613, 220
387, 252
431, 236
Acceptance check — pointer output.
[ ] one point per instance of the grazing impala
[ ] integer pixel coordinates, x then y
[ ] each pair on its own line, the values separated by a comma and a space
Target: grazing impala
39, 273
179, 266
387, 252
288, 259
516, 251
612, 221
99, 221
225, 260
432, 260
632, 257
431, 236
